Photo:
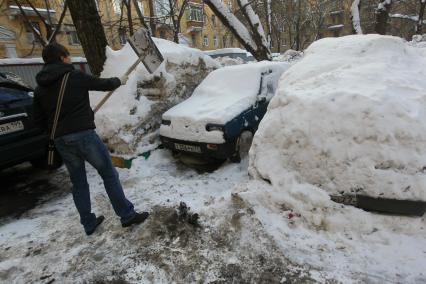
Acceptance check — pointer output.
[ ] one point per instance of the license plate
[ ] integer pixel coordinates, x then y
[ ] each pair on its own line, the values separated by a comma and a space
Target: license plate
187, 148
11, 127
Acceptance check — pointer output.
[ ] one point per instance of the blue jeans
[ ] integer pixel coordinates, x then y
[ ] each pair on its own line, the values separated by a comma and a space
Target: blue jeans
75, 149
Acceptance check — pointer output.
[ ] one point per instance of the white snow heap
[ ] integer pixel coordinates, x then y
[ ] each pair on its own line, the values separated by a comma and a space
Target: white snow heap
349, 117
129, 115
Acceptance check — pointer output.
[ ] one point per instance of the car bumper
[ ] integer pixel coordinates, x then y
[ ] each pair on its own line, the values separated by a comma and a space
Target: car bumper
217, 151
21, 151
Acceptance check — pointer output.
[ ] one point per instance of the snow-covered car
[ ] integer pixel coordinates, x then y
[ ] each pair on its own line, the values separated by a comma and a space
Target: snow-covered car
231, 53
220, 118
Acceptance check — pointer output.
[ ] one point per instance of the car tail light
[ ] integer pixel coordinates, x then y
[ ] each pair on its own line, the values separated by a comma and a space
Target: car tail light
212, 147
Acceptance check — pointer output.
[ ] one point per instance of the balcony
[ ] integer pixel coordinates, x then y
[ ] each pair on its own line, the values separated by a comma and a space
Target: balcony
14, 11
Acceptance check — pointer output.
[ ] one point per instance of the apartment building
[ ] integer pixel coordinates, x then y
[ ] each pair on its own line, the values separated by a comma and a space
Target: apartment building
200, 28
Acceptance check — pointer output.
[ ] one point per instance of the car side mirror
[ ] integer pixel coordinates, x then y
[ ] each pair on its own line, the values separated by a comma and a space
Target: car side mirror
261, 99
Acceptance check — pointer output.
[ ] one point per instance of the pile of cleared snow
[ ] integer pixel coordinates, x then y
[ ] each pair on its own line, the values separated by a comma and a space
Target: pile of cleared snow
419, 41
289, 56
129, 116
229, 61
350, 117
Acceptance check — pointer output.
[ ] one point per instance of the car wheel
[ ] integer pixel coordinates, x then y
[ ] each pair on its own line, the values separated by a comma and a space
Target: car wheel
242, 146
41, 163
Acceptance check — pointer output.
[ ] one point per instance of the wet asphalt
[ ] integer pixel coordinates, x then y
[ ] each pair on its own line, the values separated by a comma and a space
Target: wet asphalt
24, 187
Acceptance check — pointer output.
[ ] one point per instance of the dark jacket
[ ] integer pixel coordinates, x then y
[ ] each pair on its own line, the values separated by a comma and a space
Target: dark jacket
76, 113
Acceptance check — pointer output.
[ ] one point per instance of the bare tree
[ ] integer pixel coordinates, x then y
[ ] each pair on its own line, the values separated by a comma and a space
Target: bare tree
50, 30
356, 19
176, 13
90, 32
382, 16
421, 16
252, 38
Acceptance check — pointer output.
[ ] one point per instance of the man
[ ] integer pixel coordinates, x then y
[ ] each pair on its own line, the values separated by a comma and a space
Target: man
75, 137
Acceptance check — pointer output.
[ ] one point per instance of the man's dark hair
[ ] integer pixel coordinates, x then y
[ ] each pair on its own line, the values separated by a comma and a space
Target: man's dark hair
53, 51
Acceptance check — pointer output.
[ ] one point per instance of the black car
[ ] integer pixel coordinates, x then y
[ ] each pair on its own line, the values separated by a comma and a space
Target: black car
20, 139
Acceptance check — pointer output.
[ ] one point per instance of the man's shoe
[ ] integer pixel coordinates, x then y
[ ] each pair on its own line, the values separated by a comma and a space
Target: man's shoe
99, 220
137, 219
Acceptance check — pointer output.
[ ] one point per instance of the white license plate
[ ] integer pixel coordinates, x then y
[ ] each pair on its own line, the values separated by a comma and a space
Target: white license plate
11, 127
188, 148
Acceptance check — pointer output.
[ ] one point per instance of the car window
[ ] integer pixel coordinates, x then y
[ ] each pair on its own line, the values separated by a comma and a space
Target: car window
8, 95
269, 84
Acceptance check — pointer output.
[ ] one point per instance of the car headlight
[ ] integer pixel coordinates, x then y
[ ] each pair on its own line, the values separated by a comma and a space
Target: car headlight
166, 122
214, 127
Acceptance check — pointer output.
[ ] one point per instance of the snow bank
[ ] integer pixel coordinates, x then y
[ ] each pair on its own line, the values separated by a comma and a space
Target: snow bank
129, 116
353, 113
350, 117
290, 56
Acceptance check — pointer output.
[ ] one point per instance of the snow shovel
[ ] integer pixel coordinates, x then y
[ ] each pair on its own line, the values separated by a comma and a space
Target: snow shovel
148, 53
124, 163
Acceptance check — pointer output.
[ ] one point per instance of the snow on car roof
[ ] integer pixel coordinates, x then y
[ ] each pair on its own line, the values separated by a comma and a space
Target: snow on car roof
225, 93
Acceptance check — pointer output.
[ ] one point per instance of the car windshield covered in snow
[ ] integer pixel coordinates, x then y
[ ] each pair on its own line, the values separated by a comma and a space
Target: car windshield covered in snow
228, 102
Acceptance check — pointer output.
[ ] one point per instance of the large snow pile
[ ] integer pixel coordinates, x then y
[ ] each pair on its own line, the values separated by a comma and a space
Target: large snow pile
350, 117
129, 119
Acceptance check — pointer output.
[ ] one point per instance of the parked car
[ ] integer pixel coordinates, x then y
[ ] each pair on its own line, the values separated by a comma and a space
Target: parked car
232, 53
219, 119
20, 139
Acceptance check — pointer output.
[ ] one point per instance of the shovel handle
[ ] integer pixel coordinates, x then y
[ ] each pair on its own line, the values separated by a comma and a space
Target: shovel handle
130, 70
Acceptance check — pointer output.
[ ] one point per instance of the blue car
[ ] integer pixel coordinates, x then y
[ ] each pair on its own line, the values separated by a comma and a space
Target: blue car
220, 118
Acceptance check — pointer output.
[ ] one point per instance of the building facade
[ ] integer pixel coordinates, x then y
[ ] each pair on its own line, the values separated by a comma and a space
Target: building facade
199, 27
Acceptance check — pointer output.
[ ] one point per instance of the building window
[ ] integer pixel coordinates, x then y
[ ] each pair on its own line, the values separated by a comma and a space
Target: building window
161, 8
215, 41
73, 38
224, 41
30, 35
230, 6
214, 20
122, 36
195, 13
194, 40
116, 5
206, 41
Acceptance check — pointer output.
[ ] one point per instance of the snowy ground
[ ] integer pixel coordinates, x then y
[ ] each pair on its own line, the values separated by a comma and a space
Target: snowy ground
233, 244
48, 242
357, 110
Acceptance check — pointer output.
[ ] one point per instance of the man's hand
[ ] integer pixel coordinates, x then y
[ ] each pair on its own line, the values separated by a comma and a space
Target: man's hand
124, 79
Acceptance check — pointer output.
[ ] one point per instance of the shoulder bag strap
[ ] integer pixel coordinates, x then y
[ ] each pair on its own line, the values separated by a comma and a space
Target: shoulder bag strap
59, 105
